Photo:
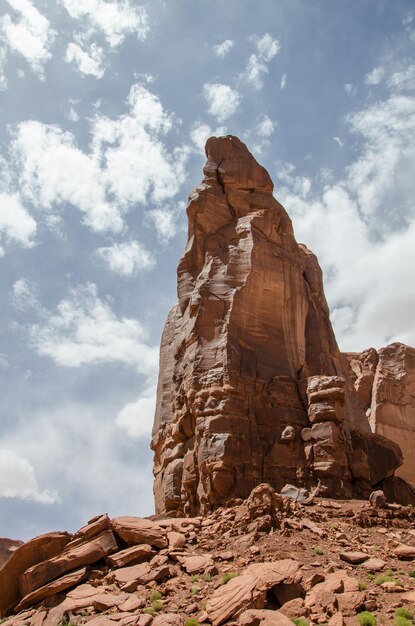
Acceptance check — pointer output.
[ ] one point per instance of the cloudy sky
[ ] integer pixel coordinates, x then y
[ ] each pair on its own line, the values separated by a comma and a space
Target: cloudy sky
105, 107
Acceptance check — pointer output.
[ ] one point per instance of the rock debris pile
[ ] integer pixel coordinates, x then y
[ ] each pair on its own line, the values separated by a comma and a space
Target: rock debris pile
266, 558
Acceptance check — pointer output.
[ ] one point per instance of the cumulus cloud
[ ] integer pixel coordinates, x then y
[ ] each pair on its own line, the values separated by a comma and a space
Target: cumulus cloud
126, 258
283, 81
16, 224
266, 49
88, 59
18, 480
28, 32
200, 133
25, 295
221, 50
115, 20
85, 330
368, 221
168, 221
265, 126
128, 163
223, 101
375, 76
404, 80
136, 418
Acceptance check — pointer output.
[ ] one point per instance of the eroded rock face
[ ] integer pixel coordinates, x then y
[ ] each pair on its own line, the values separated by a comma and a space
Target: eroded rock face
240, 350
385, 383
7, 547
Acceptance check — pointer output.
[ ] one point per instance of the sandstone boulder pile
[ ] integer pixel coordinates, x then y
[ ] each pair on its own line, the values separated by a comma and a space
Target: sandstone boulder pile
267, 559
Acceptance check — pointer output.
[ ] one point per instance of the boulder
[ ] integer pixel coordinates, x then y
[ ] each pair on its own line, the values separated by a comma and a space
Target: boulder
34, 551
71, 558
136, 530
248, 590
56, 586
141, 552
263, 617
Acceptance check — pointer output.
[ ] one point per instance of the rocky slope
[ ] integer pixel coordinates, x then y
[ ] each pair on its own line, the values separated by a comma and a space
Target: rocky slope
252, 386
266, 559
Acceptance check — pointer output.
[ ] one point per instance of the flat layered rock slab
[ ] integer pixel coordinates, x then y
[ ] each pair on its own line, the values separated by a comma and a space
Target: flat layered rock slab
354, 558
405, 552
142, 552
374, 565
56, 586
129, 578
248, 590
84, 554
34, 551
136, 530
196, 564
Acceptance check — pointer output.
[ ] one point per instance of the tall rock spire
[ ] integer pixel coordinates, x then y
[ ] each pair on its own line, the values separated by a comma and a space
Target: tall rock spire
252, 386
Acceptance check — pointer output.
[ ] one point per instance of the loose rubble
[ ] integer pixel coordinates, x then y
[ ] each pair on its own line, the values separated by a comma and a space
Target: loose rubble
266, 560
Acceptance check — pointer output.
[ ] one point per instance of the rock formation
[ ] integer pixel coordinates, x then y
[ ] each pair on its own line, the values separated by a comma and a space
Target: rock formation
385, 385
252, 386
7, 547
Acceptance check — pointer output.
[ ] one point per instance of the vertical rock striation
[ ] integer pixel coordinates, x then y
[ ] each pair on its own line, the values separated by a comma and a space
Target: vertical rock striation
252, 386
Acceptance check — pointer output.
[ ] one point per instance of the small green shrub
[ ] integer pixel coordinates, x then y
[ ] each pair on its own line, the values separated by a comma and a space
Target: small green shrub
195, 590
335, 526
366, 618
318, 551
383, 578
150, 610
411, 574
157, 605
400, 620
191, 622
64, 622
227, 577
402, 612
156, 595
362, 585
194, 578
208, 578
300, 621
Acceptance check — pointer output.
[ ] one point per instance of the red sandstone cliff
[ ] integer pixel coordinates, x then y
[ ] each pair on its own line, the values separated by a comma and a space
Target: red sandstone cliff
252, 385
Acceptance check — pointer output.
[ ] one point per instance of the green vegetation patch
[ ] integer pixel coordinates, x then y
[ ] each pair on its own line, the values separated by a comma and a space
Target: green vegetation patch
366, 618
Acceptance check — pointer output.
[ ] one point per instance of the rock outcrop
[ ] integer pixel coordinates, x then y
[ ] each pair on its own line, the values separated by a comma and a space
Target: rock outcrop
7, 547
385, 383
252, 386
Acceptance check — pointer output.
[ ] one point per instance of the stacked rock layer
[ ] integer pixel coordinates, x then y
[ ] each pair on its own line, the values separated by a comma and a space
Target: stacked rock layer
252, 386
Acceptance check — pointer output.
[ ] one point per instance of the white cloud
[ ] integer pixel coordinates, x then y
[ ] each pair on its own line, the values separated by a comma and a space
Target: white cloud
368, 220
223, 49
200, 133
168, 221
3, 59
403, 81
89, 61
266, 49
126, 258
16, 224
115, 20
29, 33
128, 163
283, 81
136, 418
338, 141
375, 76
265, 127
18, 480
223, 101
25, 295
350, 89
73, 115
85, 330
54, 171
